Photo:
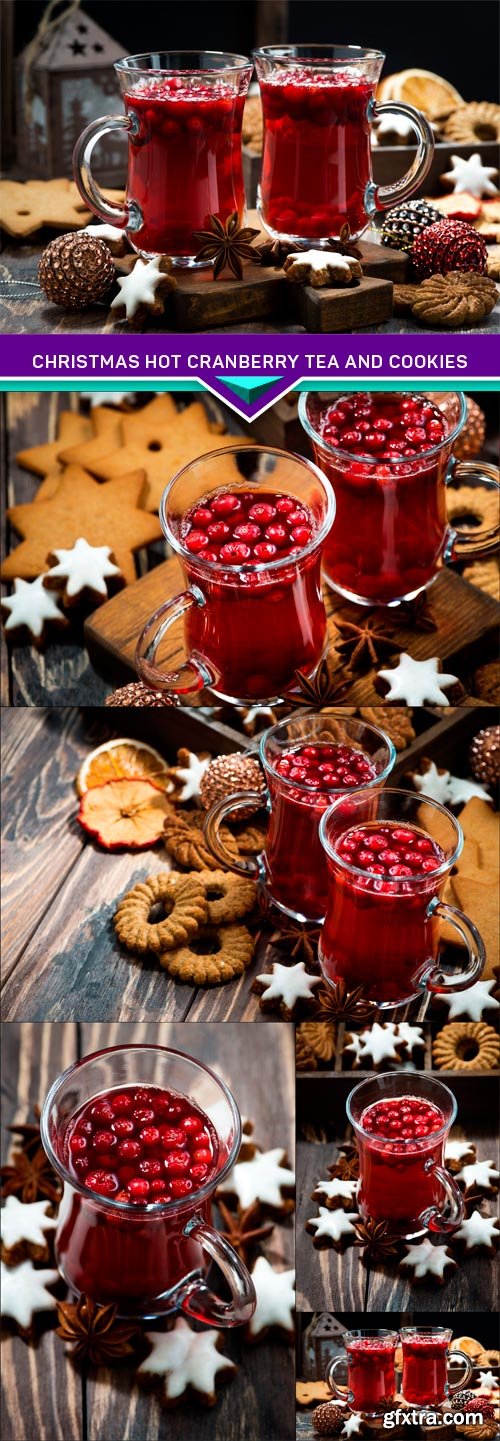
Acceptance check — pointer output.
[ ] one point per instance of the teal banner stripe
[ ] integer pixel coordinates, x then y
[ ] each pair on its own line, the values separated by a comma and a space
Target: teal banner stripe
313, 383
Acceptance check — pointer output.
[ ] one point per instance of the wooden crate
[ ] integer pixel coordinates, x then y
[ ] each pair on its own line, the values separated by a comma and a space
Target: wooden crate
389, 162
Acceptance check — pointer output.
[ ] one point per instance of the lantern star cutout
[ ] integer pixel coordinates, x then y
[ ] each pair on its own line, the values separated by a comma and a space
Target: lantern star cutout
111, 511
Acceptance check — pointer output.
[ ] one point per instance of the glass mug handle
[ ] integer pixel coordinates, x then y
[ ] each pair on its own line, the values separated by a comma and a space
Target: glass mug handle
341, 1391
433, 1218
379, 197
462, 546
436, 981
252, 868
127, 216
469, 1367
199, 1301
194, 674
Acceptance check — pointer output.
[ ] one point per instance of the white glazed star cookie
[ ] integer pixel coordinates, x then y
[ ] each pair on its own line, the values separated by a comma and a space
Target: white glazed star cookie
353, 1425
25, 1225
332, 1228
457, 1151
144, 289
427, 1260
477, 1230
379, 1042
263, 1179
321, 267
186, 1360
336, 1192
116, 240
411, 1036
488, 1380
31, 608
471, 175
83, 568
417, 682
190, 773
448, 789
471, 1003
24, 1293
275, 1292
285, 987
479, 1173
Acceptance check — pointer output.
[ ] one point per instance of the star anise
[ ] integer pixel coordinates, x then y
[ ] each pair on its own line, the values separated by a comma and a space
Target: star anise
320, 690
94, 1332
226, 244
30, 1177
363, 643
299, 940
242, 1229
274, 252
379, 1243
336, 1003
344, 245
346, 1168
417, 613
29, 1134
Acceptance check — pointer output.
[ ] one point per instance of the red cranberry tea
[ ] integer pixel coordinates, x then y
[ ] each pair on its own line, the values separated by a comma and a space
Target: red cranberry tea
378, 933
425, 1369
301, 785
257, 626
143, 1147
391, 526
184, 159
371, 1374
316, 161
399, 1146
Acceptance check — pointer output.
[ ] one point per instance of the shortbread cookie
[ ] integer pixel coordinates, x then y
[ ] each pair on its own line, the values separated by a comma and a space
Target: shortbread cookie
184, 905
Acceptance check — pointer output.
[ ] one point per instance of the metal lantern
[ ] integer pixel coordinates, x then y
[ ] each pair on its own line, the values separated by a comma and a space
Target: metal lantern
65, 79
322, 1340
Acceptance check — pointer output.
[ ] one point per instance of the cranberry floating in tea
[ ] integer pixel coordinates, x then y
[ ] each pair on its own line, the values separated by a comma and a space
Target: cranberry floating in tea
389, 457
249, 526
141, 1136
371, 1376
401, 1124
183, 119
389, 854
307, 762
426, 1357
319, 104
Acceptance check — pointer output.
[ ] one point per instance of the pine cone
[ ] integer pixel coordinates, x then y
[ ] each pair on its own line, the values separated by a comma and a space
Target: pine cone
75, 271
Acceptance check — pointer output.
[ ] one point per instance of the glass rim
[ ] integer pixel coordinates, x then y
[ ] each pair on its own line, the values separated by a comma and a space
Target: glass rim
214, 567
406, 1077
346, 865
148, 1208
412, 460
347, 720
354, 54
372, 1331
425, 1331
225, 61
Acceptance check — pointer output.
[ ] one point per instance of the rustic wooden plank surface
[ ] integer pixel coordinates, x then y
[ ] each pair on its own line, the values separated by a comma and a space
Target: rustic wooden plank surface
47, 1399
324, 1278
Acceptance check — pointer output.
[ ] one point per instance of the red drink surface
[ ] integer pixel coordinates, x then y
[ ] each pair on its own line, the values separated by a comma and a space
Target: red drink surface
316, 161
141, 1146
371, 1376
257, 627
184, 160
377, 933
390, 522
396, 1180
425, 1371
295, 859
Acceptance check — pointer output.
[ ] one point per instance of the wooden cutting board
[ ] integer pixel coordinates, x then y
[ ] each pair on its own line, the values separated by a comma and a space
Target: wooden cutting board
465, 616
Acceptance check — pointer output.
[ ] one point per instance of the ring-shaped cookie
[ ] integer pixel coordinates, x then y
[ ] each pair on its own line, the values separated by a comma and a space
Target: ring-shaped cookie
467, 1046
229, 897
184, 904
185, 841
477, 122
216, 955
477, 502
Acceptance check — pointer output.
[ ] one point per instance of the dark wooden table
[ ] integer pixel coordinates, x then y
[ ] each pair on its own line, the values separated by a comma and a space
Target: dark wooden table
46, 1397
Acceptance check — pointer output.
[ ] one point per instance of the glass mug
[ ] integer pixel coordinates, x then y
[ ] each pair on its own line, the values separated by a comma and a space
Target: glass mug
371, 1370
184, 113
389, 854
149, 1260
401, 1124
292, 868
425, 1365
249, 624
392, 533
319, 105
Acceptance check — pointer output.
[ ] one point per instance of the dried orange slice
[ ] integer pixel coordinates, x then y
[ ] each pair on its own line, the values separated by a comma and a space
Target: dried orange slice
423, 89
120, 759
124, 814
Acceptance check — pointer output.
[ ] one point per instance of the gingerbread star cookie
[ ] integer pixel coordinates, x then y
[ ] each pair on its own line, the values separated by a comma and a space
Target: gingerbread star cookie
478, 1231
24, 1293
286, 989
274, 1312
332, 1228
427, 1261
472, 1002
185, 438
482, 1174
72, 429
336, 1193
320, 268
23, 1229
417, 682
144, 290
186, 1362
265, 1179
110, 513
30, 610
82, 572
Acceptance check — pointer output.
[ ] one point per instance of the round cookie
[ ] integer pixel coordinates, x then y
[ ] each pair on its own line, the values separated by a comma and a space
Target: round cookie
216, 955
466, 1046
185, 842
183, 900
477, 121
229, 897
